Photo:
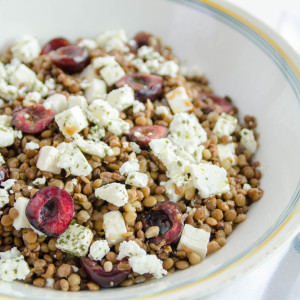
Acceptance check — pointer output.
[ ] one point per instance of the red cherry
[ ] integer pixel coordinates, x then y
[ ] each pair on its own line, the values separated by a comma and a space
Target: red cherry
70, 59
143, 135
142, 38
32, 120
55, 44
224, 103
4, 173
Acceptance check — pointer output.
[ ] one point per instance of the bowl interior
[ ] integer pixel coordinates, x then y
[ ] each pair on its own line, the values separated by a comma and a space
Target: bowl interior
237, 62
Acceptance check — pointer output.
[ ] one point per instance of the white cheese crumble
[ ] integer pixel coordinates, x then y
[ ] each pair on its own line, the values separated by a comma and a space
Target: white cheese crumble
113, 40
137, 179
138, 106
48, 159
8, 135
130, 249
227, 152
79, 101
39, 181
72, 160
121, 98
179, 100
171, 191
96, 89
13, 265
32, 97
114, 227
99, 249
49, 283
162, 110
8, 184
2, 161
4, 197
147, 264
5, 121
96, 133
195, 239
75, 240
32, 146
168, 68
114, 193
209, 179
90, 44
246, 187
191, 71
225, 125
21, 220
248, 140
112, 73
129, 166
50, 83
135, 147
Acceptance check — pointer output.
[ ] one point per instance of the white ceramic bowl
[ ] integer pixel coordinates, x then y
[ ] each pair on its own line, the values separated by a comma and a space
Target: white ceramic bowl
242, 58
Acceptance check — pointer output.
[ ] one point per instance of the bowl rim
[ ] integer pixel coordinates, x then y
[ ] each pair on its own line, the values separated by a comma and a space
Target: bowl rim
286, 226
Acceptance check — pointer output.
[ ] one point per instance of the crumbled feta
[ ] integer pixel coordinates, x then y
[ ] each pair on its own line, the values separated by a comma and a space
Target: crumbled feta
114, 227
49, 283
96, 90
72, 160
88, 74
209, 179
21, 220
58, 102
48, 159
32, 97
4, 197
39, 181
170, 188
26, 49
118, 126
147, 264
149, 53
8, 184
246, 187
140, 65
138, 106
162, 110
74, 181
71, 121
225, 125
121, 98
50, 83
99, 249
102, 61
113, 40
137, 179
100, 149
32, 146
227, 152
7, 136
195, 239
130, 249
13, 265
112, 73
191, 71
8, 92
168, 68
130, 166
5, 120
75, 240
2, 161
179, 100
90, 44
78, 101
96, 133
1, 102
114, 193
248, 140
135, 147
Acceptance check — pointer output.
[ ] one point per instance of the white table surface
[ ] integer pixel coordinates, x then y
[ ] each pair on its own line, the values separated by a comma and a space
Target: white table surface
279, 277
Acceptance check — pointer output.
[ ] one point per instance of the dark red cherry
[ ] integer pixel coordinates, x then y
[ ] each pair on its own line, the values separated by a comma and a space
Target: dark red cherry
55, 44
224, 103
96, 273
50, 210
70, 59
32, 120
142, 38
4, 173
145, 86
143, 135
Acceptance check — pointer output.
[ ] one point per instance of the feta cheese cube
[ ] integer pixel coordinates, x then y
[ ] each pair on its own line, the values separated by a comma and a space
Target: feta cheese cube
32, 97
121, 98
149, 53
130, 166
118, 126
96, 133
162, 110
114, 193
99, 249
7, 136
248, 140
168, 68
138, 106
137, 179
4, 197
48, 159
96, 90
195, 239
58, 102
112, 73
50, 83
173, 193
113, 40
32, 146
114, 227
209, 179
2, 161
5, 120
21, 220
147, 264
130, 249
88, 43
13, 265
8, 184
71, 121
225, 125
88, 74
75, 240
135, 147
26, 49
178, 100
227, 152
79, 101
100, 112
72, 160
100, 149
39, 181
102, 61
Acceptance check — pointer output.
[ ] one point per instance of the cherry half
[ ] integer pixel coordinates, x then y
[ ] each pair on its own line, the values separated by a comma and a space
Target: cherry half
168, 217
4, 173
224, 103
55, 44
145, 86
143, 135
97, 274
142, 38
70, 59
32, 120
50, 210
